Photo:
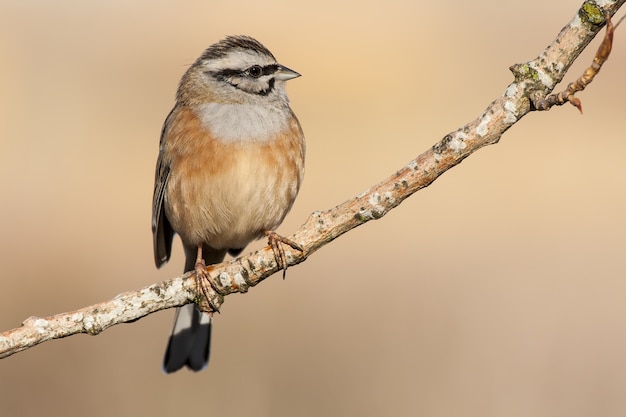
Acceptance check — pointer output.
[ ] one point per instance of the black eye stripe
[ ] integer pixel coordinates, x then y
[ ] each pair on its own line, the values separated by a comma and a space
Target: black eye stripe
228, 73
234, 78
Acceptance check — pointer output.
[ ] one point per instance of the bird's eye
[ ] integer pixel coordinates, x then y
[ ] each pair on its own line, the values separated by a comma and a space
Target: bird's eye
255, 71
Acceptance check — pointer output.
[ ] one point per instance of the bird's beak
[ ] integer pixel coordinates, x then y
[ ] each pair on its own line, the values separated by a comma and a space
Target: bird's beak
284, 73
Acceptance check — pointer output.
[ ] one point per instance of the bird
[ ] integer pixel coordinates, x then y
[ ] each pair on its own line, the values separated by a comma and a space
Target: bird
229, 168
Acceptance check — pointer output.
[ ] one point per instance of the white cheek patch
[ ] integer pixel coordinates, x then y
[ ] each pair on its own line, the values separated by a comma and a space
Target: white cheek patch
241, 122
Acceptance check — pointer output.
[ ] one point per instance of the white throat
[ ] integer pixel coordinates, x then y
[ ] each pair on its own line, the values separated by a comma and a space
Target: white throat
243, 122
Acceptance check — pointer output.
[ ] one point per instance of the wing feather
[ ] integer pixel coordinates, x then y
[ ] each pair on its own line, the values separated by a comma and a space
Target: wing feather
162, 231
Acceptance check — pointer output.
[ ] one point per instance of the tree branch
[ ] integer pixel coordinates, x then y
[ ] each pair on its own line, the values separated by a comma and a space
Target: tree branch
534, 81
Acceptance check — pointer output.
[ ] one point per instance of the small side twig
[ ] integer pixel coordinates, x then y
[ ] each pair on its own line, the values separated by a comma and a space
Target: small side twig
567, 96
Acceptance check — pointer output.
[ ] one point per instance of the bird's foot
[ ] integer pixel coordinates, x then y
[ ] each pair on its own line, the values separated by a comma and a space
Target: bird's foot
203, 280
275, 241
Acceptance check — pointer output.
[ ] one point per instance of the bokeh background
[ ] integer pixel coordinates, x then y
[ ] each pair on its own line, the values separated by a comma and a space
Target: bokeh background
499, 290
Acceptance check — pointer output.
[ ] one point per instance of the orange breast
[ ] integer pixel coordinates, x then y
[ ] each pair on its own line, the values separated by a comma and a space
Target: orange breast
223, 193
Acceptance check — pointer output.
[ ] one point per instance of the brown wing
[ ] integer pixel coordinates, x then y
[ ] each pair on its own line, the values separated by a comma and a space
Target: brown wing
162, 232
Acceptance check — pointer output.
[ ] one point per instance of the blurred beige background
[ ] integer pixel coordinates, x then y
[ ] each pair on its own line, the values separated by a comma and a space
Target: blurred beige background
499, 290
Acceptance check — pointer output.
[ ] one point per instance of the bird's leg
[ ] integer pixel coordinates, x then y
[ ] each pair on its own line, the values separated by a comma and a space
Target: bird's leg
275, 240
203, 280
200, 264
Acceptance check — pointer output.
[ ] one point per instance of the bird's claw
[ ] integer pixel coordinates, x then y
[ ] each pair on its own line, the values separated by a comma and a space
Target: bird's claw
275, 241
